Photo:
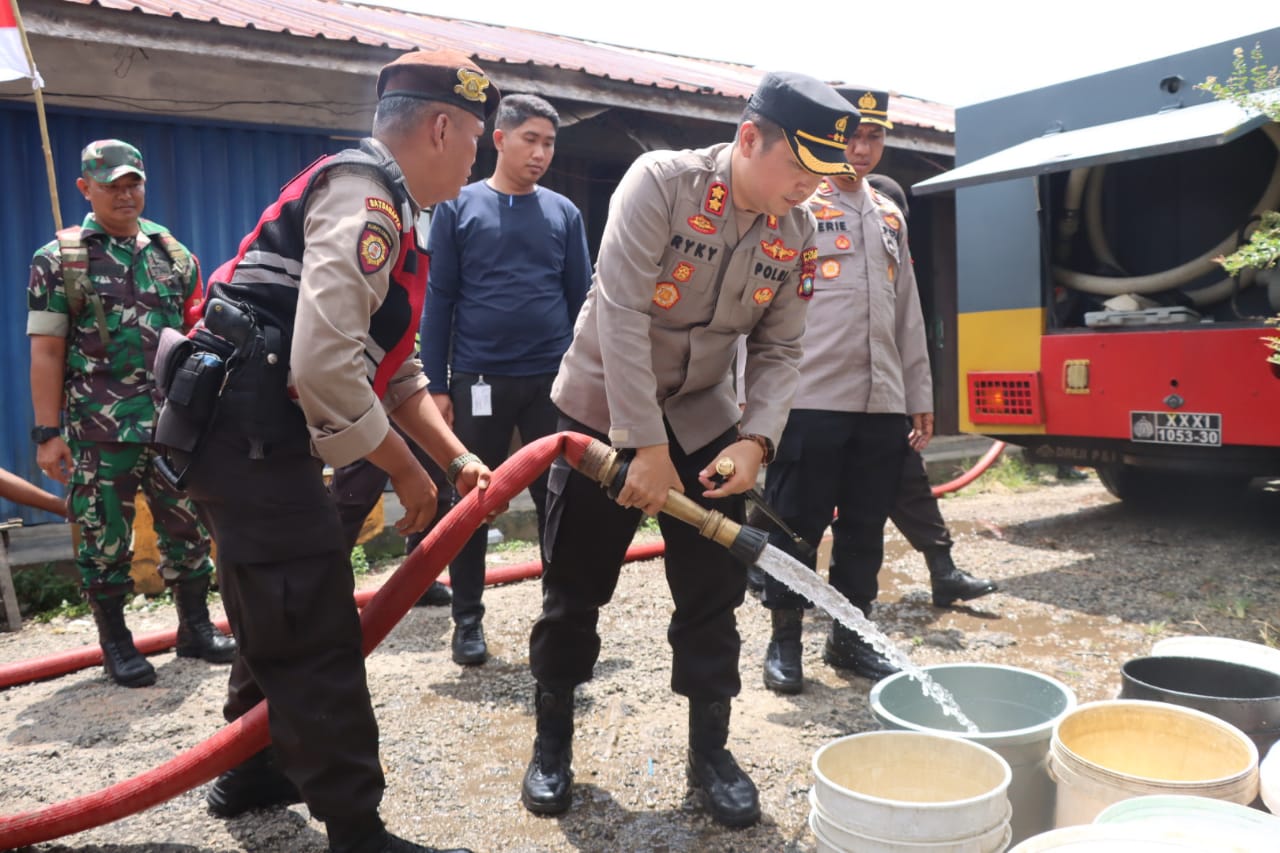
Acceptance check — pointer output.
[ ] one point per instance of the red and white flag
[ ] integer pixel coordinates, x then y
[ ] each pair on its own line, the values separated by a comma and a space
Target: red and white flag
13, 59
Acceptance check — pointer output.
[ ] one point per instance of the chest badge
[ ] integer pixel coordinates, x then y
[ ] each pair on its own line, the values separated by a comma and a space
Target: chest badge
892, 220
763, 295
825, 212
843, 242
778, 250
665, 295
683, 272
717, 193
830, 268
702, 224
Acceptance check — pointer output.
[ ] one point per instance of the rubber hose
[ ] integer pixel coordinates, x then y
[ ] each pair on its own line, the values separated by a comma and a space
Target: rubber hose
1156, 282
52, 666
993, 452
238, 740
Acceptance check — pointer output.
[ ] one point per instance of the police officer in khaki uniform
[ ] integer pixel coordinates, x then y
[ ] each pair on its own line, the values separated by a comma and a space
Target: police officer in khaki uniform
333, 280
701, 247
865, 366
916, 512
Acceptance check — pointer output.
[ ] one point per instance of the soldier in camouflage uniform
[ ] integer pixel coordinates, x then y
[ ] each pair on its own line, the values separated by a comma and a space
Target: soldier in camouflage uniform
97, 300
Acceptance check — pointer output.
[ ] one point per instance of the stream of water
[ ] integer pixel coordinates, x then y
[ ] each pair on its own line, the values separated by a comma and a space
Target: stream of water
803, 580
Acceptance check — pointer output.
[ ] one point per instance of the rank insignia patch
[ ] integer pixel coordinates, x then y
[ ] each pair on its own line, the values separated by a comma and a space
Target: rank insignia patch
892, 221
824, 188
843, 242
826, 211
805, 288
683, 271
716, 195
771, 222
830, 268
373, 248
778, 250
701, 224
763, 295
386, 208
665, 295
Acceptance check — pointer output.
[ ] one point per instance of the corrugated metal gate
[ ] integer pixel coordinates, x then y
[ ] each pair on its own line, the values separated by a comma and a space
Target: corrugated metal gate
207, 182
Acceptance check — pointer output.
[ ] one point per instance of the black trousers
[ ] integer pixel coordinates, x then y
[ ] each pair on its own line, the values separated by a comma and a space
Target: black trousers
584, 543
845, 462
915, 513
357, 487
517, 403
286, 582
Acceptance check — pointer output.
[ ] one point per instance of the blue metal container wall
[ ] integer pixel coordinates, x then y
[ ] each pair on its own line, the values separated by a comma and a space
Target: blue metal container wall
207, 182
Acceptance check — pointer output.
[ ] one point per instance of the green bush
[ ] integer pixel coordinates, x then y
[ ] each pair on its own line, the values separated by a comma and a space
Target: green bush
44, 589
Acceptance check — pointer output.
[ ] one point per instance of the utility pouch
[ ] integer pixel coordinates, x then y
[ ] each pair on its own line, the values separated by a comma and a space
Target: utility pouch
196, 383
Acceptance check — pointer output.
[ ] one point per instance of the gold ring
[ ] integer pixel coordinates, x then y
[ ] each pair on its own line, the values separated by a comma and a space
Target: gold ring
725, 467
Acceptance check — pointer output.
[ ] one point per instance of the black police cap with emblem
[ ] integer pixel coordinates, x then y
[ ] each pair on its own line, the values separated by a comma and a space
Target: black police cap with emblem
873, 105
815, 120
441, 74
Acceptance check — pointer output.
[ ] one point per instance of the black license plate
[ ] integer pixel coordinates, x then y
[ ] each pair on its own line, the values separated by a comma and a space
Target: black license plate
1201, 429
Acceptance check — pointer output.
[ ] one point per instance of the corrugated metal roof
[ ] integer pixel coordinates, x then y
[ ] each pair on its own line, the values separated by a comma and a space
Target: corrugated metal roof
399, 30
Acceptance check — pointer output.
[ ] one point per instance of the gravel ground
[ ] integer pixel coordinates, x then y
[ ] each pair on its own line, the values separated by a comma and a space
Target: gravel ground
1086, 584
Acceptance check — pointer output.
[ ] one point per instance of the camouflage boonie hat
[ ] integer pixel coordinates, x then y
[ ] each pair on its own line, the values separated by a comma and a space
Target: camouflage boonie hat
108, 159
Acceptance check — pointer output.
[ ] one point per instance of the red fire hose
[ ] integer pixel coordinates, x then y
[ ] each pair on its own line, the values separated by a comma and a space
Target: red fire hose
993, 452
22, 672
382, 609
236, 741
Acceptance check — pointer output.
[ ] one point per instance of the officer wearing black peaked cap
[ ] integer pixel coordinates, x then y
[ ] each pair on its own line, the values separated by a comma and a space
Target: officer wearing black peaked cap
700, 248
323, 303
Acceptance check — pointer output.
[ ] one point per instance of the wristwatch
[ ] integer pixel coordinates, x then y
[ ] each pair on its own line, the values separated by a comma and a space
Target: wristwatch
41, 434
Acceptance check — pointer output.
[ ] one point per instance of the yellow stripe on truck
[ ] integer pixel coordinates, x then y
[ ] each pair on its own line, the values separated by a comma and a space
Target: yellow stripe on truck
1000, 341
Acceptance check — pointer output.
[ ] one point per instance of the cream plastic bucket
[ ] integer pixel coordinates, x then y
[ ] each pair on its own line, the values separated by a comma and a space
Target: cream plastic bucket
1230, 826
910, 787
1105, 752
832, 839
1109, 838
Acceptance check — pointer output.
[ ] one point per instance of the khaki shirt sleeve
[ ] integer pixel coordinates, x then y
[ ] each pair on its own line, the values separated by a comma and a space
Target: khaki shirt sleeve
627, 269
913, 344
336, 298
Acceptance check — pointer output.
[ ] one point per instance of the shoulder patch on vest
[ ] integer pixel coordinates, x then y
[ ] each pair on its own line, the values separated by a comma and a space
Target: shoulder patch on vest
386, 208
373, 248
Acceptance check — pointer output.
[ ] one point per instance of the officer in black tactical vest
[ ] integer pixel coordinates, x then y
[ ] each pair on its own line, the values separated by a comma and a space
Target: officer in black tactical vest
321, 307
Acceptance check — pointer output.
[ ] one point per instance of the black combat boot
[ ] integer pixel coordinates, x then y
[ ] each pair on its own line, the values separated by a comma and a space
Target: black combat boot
949, 583
729, 793
783, 669
125, 664
469, 647
256, 783
845, 649
368, 835
548, 783
437, 595
197, 638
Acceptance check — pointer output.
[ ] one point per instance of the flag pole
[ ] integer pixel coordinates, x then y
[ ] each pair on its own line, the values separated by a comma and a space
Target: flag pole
44, 126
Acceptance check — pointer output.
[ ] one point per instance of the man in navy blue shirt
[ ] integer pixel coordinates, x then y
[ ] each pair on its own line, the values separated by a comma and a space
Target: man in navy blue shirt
509, 271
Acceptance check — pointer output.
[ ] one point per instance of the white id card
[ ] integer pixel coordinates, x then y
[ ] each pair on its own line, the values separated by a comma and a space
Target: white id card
481, 400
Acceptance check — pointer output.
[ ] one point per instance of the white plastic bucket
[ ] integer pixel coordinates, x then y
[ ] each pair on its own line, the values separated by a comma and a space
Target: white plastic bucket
1110, 838
1105, 752
911, 787
833, 839
1015, 709
1230, 826
1269, 780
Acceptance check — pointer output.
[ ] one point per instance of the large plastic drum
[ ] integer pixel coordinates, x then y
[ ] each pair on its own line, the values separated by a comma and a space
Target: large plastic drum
1105, 752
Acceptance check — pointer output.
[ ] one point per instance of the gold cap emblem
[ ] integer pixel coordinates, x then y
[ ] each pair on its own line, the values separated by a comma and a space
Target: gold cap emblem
471, 85
867, 102
842, 123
